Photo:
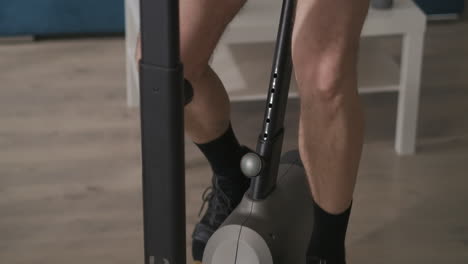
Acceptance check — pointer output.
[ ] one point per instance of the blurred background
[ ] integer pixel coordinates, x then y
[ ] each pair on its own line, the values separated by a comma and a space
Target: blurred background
70, 172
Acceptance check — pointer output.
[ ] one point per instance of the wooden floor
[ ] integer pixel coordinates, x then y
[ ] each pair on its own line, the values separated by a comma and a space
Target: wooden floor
70, 188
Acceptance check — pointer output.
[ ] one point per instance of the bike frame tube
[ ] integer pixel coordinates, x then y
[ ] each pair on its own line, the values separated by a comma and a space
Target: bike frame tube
162, 133
270, 140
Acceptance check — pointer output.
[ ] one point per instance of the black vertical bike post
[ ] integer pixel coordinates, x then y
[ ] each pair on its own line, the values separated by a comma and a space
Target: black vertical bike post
162, 102
270, 140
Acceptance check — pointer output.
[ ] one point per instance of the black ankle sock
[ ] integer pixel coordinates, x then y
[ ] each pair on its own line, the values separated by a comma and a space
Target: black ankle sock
328, 235
224, 154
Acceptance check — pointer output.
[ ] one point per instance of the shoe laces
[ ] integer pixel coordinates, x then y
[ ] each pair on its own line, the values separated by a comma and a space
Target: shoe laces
218, 202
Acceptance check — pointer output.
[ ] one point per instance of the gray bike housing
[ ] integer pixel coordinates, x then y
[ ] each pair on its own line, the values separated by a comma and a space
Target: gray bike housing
275, 230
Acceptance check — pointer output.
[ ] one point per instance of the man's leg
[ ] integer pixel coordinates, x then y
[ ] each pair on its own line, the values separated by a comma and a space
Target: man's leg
207, 117
202, 24
325, 48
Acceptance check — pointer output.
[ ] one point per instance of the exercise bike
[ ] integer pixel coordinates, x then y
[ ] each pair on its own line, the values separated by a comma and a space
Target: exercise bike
273, 222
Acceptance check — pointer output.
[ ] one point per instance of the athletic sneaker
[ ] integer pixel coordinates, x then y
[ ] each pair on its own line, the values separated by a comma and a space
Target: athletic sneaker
222, 197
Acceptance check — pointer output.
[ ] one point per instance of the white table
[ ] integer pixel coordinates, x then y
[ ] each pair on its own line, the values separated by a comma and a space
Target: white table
258, 22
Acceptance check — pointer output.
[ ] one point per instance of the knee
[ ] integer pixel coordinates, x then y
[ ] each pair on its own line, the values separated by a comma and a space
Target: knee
195, 67
195, 71
325, 75
325, 47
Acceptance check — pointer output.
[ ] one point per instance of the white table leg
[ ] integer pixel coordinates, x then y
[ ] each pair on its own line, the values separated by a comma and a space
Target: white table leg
131, 32
133, 92
408, 100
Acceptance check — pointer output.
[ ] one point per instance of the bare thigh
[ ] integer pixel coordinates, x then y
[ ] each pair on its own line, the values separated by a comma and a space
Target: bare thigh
202, 22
